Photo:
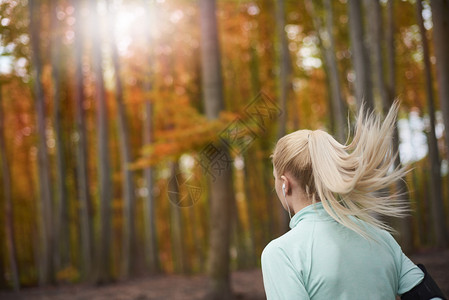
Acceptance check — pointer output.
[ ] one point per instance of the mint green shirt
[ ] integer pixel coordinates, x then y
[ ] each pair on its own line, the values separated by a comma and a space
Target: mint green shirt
321, 259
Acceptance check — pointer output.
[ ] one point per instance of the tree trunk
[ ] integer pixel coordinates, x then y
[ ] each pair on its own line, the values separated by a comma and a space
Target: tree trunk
129, 229
376, 38
221, 187
62, 217
198, 261
264, 181
283, 88
104, 244
151, 245
250, 239
81, 149
440, 18
391, 86
46, 224
9, 216
437, 205
284, 66
3, 253
360, 57
327, 44
389, 92
176, 224
337, 98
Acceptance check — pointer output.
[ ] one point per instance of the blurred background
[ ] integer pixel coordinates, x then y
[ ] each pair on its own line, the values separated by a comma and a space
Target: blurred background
135, 135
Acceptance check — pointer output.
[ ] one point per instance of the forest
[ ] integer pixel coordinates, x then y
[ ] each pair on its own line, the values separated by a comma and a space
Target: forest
135, 136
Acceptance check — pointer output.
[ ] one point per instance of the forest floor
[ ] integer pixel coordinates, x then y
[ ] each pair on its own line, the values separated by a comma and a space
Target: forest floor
247, 285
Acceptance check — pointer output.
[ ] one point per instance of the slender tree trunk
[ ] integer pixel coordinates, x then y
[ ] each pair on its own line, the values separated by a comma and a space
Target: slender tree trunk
129, 229
9, 216
3, 252
437, 205
388, 93
284, 66
104, 244
440, 18
360, 57
327, 43
61, 218
250, 239
264, 181
391, 61
47, 242
176, 223
376, 38
198, 262
254, 70
221, 187
337, 98
283, 87
86, 232
151, 245
238, 237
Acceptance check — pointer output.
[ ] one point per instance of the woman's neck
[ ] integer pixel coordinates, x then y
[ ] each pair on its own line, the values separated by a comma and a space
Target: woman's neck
299, 199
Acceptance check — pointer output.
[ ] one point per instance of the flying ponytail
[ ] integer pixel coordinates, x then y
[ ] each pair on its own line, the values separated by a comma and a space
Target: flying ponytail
348, 178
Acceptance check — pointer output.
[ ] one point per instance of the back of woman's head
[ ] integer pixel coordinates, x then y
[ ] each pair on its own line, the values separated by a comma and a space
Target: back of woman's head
347, 178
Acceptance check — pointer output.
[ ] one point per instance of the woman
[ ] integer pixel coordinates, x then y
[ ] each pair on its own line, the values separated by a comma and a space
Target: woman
337, 248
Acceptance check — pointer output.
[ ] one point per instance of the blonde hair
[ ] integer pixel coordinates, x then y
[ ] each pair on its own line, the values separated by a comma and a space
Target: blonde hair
346, 178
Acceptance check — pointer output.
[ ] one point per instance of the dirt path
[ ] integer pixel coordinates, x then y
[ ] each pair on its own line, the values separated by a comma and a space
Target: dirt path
246, 284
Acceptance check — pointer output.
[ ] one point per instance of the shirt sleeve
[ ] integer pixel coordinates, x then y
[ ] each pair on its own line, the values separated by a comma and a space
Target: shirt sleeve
281, 280
409, 274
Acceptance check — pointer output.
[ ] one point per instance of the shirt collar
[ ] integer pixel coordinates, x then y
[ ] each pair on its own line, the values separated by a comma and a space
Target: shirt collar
311, 211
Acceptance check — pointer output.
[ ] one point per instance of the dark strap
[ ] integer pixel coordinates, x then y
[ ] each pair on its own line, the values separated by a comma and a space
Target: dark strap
425, 290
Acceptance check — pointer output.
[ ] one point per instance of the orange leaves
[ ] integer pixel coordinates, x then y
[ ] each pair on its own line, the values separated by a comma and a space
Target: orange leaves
184, 135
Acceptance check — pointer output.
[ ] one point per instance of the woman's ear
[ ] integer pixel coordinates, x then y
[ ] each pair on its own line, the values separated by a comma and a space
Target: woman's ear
285, 184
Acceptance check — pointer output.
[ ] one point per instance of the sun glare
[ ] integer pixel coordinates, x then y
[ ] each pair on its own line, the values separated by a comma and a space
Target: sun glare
130, 21
126, 21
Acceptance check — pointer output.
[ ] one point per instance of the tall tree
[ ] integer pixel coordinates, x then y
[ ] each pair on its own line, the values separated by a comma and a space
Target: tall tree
327, 43
284, 65
440, 18
103, 249
151, 245
266, 168
360, 57
9, 216
388, 93
250, 209
221, 189
338, 103
176, 224
61, 217
376, 40
436, 200
46, 273
129, 226
82, 172
283, 87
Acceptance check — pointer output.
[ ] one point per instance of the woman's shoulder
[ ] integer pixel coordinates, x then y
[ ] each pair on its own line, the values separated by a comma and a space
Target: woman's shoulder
273, 250
293, 241
277, 243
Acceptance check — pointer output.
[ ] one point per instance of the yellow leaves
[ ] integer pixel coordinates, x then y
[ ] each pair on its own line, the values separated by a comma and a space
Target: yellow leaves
68, 274
189, 134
